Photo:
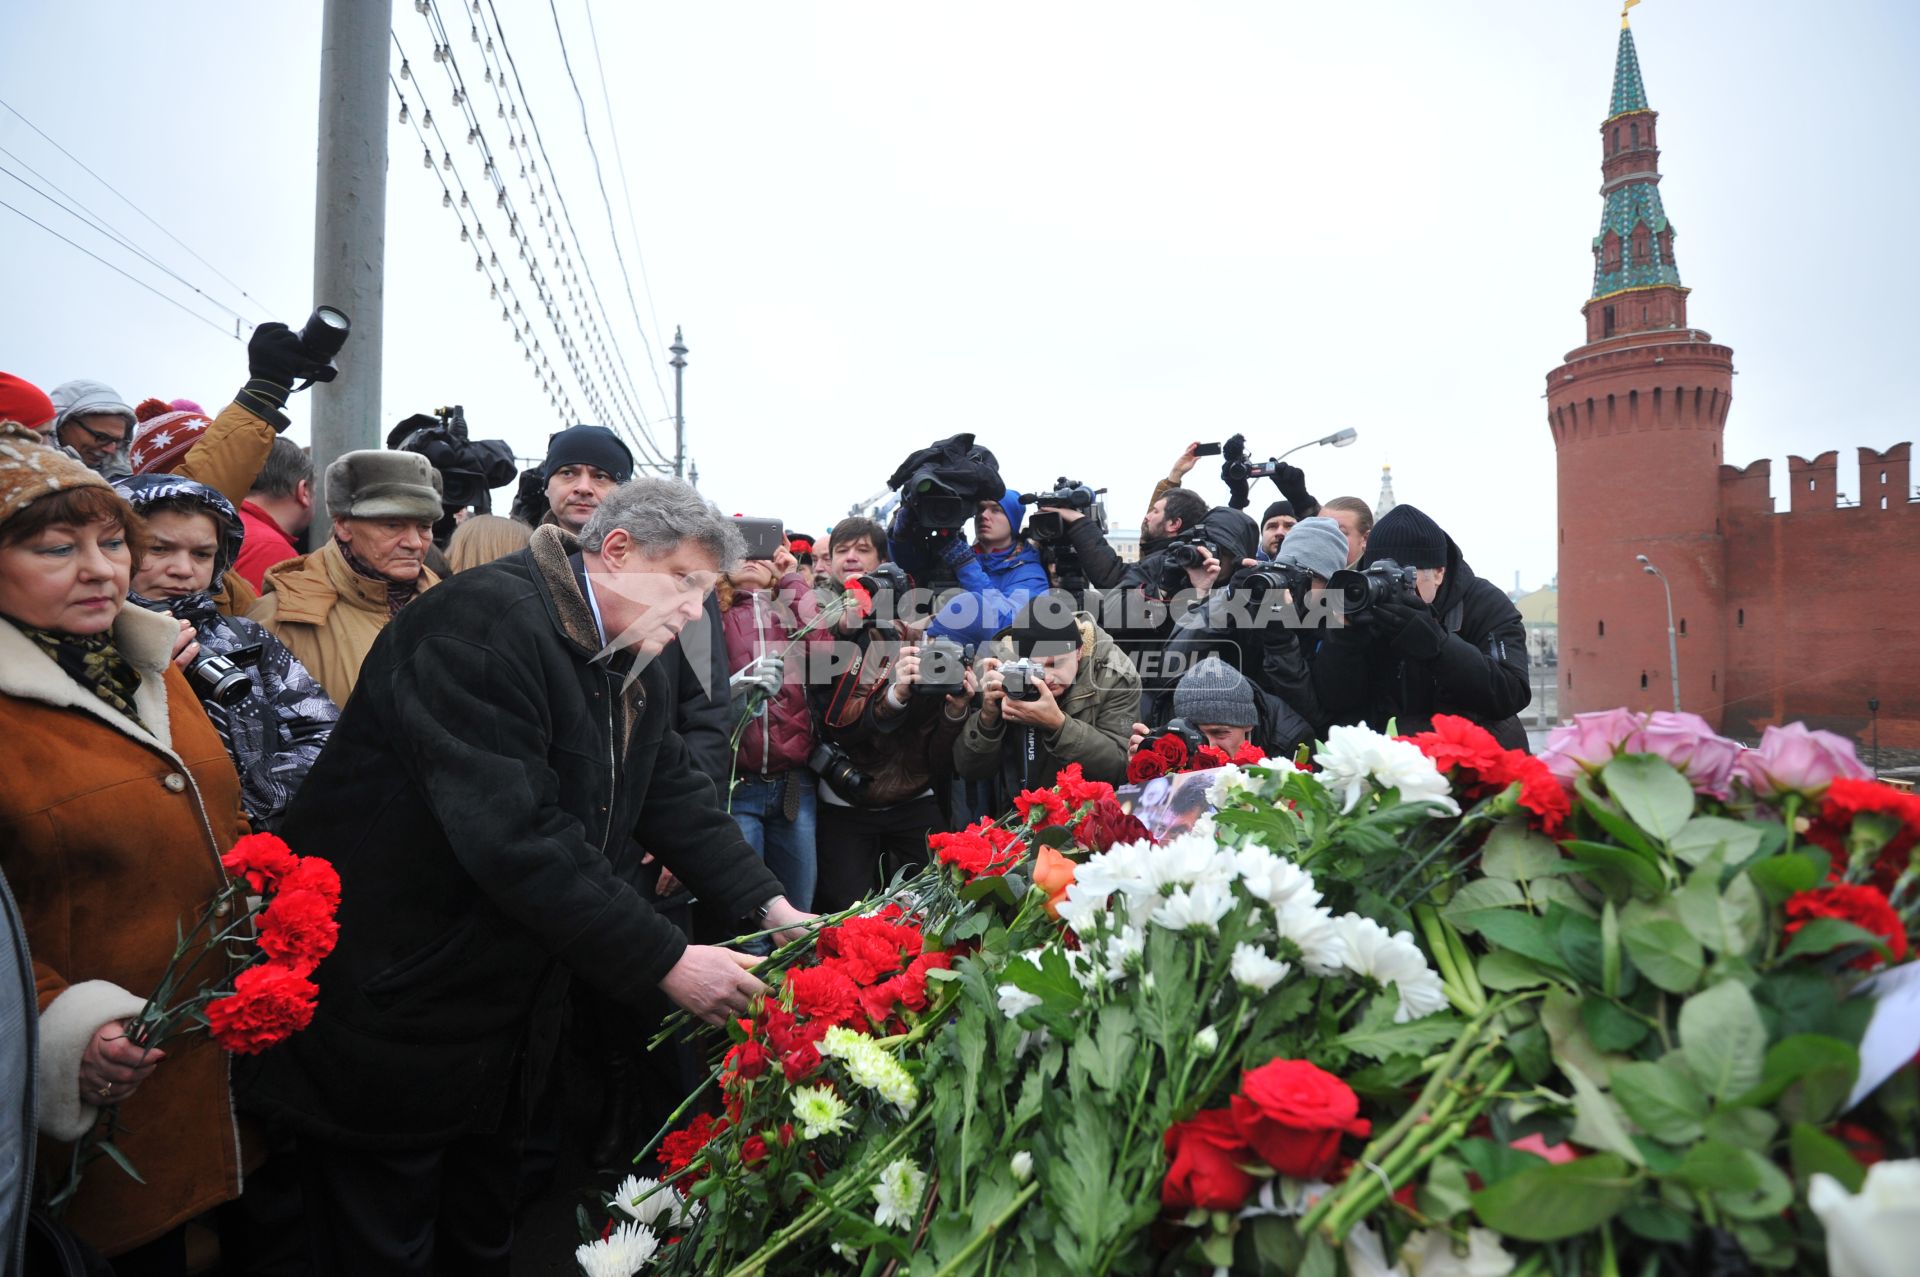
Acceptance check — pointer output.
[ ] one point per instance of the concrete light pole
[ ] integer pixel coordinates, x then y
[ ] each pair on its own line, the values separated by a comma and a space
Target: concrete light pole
1673, 644
679, 362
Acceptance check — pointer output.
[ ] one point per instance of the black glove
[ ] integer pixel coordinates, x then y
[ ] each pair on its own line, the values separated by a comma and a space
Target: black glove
274, 354
1411, 626
1292, 482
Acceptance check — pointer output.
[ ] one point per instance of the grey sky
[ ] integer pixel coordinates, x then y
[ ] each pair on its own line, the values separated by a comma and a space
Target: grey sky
1088, 233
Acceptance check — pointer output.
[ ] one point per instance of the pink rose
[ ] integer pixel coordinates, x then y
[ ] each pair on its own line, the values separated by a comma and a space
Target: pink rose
1686, 741
1797, 759
1590, 742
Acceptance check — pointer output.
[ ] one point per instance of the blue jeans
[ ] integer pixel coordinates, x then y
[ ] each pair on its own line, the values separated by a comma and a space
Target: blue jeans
759, 808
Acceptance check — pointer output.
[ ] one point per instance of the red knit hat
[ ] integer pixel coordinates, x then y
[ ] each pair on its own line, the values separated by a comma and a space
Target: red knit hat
161, 440
24, 402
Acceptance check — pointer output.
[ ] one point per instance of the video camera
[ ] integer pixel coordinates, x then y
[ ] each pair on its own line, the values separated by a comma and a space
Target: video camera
469, 468
1238, 473
1045, 524
941, 486
1355, 591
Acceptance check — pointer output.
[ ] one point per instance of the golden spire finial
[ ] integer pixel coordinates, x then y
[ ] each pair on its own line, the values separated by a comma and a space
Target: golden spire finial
1623, 12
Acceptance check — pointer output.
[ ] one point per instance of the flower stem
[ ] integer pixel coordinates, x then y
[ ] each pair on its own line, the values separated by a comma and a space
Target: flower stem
990, 1231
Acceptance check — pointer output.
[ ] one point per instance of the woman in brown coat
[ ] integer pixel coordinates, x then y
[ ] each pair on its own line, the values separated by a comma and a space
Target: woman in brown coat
119, 800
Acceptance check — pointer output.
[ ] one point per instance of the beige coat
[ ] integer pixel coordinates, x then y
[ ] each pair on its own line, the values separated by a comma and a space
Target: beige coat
227, 458
327, 614
110, 835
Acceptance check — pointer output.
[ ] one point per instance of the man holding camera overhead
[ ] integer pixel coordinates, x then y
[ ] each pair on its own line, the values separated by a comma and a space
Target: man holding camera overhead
1422, 636
1054, 689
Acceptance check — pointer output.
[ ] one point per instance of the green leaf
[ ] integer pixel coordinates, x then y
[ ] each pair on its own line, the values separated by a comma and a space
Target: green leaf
1416, 1037
1516, 853
1782, 876
1560, 1016
1597, 1123
1446, 1192
1748, 1127
1610, 951
1822, 1069
1109, 1052
1532, 1052
1479, 897
1824, 935
1654, 796
120, 1159
1503, 971
1494, 1162
1744, 1183
1664, 951
1705, 837
1610, 1026
1726, 921
1723, 1039
1577, 937
1558, 891
1637, 869
1608, 818
1662, 1100
1524, 934
1658, 1223
1052, 982
1548, 1203
1815, 1151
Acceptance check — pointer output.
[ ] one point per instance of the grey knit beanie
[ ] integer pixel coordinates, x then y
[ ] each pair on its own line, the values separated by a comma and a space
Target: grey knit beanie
1214, 694
1316, 544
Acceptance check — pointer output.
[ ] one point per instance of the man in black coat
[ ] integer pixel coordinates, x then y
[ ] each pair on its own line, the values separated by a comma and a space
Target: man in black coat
1454, 644
504, 748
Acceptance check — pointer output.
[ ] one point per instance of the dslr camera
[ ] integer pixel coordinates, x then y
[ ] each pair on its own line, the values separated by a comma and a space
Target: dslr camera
943, 668
1177, 729
223, 680
1355, 591
833, 765
1021, 679
1045, 524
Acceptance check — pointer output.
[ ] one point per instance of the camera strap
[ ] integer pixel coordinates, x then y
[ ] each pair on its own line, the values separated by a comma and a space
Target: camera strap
1028, 756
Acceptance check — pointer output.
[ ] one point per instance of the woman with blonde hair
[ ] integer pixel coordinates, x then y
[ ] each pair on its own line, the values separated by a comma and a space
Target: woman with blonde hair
484, 538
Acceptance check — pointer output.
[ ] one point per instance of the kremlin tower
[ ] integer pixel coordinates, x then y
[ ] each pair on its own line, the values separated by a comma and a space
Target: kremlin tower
1637, 415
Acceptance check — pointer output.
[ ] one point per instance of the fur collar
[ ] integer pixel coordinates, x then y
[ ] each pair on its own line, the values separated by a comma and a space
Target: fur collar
145, 639
553, 549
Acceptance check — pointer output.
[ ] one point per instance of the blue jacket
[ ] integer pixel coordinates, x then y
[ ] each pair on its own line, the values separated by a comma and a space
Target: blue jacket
996, 582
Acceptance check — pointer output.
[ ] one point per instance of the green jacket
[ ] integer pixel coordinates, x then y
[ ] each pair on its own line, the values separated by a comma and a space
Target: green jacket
1101, 708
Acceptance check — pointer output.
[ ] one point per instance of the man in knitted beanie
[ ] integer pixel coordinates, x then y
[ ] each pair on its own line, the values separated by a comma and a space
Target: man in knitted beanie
1219, 702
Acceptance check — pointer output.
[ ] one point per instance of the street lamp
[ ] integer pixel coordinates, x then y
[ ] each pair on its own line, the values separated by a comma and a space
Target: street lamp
1339, 439
679, 362
1673, 644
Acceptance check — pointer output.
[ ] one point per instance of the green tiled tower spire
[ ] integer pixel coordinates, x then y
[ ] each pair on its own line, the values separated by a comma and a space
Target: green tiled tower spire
1634, 248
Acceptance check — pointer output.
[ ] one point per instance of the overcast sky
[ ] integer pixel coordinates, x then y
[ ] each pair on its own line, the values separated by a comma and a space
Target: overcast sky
1086, 232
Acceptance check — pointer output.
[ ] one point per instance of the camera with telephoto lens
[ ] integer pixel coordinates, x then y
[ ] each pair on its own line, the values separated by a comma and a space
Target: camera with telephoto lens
1354, 592
943, 668
1020, 679
1179, 729
222, 679
1257, 583
833, 765
1045, 524
887, 578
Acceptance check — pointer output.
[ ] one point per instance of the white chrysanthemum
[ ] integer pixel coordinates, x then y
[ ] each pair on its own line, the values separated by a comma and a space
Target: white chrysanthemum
1431, 1253
1122, 950
1390, 957
621, 1253
647, 1201
871, 1066
1014, 1000
1309, 927
1081, 910
1273, 878
897, 1194
1227, 786
1198, 909
1255, 970
1355, 757
1188, 860
1124, 867
1085, 971
1287, 1198
1021, 1163
819, 1111
1206, 1041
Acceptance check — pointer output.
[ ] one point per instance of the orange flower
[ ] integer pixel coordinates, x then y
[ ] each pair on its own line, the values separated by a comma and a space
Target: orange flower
1053, 874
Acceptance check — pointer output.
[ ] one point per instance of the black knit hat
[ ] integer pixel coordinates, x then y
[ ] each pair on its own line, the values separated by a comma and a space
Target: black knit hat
1045, 625
1407, 536
1278, 507
594, 446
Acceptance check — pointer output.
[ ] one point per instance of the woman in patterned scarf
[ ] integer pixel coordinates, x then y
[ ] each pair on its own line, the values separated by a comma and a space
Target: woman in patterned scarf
275, 727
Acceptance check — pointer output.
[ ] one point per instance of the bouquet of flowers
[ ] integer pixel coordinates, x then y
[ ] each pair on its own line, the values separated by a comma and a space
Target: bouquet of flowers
1171, 753
240, 972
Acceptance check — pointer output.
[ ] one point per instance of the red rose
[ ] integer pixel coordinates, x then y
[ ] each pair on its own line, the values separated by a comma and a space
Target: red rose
753, 1150
1173, 749
784, 1031
1865, 907
297, 928
311, 873
800, 1063
1146, 765
1041, 807
262, 859
269, 1002
1208, 757
823, 993
1108, 825
1204, 1157
751, 1059
1293, 1114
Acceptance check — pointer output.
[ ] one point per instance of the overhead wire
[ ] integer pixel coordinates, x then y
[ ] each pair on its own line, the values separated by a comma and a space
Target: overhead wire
626, 187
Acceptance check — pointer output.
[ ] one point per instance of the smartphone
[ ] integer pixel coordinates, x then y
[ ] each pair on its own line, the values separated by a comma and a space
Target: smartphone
763, 536
1207, 450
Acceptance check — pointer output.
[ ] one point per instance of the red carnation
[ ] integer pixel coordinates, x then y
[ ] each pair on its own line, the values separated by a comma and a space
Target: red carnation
262, 859
1865, 907
981, 849
1849, 798
1204, 1159
1477, 766
1076, 790
311, 873
860, 601
269, 1002
1209, 756
1146, 765
297, 928
679, 1148
1041, 807
1293, 1114
824, 993
1249, 755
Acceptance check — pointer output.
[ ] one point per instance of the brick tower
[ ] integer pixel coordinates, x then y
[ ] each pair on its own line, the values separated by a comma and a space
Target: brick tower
1637, 415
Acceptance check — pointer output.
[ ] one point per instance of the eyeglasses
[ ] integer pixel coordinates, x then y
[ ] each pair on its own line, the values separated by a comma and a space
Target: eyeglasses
99, 437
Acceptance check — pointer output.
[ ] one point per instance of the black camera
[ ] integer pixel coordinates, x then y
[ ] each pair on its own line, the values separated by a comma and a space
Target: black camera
943, 668
887, 578
941, 486
324, 333
1237, 472
222, 679
1179, 729
1257, 583
831, 763
1045, 524
1020, 679
469, 468
1191, 552
1354, 592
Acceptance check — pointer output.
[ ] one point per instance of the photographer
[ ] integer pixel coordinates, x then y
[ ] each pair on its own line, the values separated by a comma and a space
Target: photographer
278, 717
1228, 712
998, 573
469, 468
1427, 637
1054, 689
886, 761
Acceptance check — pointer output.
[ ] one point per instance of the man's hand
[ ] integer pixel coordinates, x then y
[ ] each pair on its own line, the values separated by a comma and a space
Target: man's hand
112, 1068
783, 562
958, 705
1410, 625
1140, 731
1185, 462
1201, 575
1044, 713
993, 690
1069, 515
786, 922
186, 646
713, 984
